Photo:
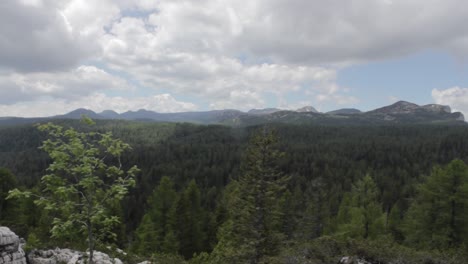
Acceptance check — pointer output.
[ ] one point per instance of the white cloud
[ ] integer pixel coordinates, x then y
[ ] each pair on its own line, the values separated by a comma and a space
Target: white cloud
47, 106
243, 100
135, 47
455, 97
44, 35
229, 53
305, 32
82, 81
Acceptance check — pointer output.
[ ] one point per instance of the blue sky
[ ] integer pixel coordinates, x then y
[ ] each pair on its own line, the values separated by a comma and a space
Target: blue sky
185, 55
410, 78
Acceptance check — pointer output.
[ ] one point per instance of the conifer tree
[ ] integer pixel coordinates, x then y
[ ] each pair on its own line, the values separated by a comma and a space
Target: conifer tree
188, 217
316, 213
360, 214
252, 232
438, 216
156, 227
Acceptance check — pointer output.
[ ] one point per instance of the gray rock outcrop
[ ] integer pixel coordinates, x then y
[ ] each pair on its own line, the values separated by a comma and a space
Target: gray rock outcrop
10, 248
353, 260
68, 256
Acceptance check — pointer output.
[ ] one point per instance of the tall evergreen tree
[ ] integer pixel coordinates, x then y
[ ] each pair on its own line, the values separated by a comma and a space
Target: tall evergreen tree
188, 217
156, 226
253, 232
316, 214
438, 216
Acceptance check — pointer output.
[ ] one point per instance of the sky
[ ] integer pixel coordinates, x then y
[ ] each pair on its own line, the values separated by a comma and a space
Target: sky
187, 55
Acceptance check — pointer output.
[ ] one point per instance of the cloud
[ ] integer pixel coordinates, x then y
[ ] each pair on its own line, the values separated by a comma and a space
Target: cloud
455, 97
219, 50
48, 106
48, 35
227, 53
69, 85
310, 32
133, 46
244, 100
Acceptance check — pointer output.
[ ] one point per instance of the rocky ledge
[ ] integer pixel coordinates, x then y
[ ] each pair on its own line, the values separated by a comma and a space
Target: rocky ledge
10, 248
68, 256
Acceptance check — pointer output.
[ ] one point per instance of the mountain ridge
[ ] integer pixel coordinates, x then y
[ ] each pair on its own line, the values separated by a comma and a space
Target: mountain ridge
396, 113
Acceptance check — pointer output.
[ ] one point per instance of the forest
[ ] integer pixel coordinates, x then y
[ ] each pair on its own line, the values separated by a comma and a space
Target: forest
275, 193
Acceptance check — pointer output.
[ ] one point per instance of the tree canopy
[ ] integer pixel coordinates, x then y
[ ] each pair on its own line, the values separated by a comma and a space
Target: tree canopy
82, 184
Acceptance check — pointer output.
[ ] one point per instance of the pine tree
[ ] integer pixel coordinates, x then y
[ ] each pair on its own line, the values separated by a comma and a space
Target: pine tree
156, 225
316, 214
252, 232
188, 217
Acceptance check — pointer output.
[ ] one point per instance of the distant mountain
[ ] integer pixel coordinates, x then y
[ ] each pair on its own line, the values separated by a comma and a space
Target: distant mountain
403, 111
265, 111
398, 113
345, 111
76, 114
400, 107
109, 114
307, 109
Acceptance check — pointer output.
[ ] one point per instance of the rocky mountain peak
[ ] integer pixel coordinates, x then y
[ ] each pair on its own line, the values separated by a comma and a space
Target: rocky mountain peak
400, 107
438, 108
307, 109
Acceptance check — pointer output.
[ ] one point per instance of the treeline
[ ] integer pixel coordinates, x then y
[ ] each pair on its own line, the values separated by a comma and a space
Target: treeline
406, 184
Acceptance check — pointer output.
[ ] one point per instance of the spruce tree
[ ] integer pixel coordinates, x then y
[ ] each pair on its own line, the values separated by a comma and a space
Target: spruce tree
187, 218
155, 227
252, 231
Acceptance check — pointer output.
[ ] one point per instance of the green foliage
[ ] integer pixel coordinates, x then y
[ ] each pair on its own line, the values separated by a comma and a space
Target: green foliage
8, 182
437, 217
324, 163
360, 214
329, 250
33, 242
82, 183
395, 223
188, 217
253, 229
316, 216
155, 233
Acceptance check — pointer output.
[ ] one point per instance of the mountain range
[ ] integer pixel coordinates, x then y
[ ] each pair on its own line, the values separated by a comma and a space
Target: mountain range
398, 113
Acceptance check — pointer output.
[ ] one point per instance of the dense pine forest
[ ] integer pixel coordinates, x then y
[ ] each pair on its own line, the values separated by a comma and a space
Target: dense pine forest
274, 193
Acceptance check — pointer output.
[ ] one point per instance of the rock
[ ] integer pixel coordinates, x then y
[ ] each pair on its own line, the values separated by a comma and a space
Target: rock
75, 259
352, 260
68, 256
10, 247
